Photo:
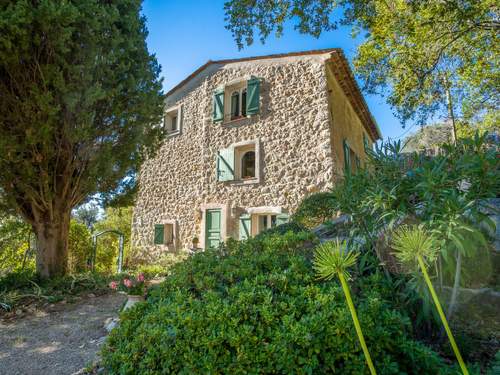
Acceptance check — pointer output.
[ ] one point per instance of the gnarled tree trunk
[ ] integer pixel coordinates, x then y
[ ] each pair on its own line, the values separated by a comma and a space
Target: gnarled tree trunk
52, 243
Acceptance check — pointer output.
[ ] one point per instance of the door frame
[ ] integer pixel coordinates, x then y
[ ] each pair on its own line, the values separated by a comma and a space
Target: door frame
224, 210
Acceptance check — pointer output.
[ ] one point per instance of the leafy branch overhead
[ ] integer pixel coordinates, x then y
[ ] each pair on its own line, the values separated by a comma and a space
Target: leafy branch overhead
416, 52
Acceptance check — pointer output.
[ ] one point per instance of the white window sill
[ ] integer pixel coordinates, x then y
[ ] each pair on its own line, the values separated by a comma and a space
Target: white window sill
236, 121
248, 181
173, 134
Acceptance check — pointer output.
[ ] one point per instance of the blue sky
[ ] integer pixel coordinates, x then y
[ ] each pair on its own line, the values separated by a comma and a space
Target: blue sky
185, 34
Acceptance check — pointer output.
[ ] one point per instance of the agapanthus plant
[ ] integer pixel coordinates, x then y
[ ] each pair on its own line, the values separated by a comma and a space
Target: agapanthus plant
130, 285
333, 259
415, 245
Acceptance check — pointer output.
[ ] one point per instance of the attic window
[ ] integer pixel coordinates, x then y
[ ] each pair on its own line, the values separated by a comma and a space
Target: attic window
172, 120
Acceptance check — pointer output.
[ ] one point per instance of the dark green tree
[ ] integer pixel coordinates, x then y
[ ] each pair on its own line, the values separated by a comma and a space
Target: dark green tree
80, 97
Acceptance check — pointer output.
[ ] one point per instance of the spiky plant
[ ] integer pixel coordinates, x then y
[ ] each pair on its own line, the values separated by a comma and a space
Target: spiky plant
413, 244
333, 259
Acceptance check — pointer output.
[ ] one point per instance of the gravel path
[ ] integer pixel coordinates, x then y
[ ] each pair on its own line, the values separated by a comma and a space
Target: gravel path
62, 340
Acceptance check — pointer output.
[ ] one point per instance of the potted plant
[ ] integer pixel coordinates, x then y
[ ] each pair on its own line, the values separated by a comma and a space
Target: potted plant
195, 241
133, 287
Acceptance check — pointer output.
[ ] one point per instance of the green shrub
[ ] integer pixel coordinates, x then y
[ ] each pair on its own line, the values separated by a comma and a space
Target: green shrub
291, 226
315, 209
255, 307
79, 247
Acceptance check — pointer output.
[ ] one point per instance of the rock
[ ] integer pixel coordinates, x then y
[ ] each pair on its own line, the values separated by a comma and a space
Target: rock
111, 323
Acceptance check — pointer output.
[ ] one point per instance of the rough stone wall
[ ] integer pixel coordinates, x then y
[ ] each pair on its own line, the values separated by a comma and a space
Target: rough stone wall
293, 128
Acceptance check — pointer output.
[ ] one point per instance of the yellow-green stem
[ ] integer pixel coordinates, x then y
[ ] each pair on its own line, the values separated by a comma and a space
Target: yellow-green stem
442, 316
347, 293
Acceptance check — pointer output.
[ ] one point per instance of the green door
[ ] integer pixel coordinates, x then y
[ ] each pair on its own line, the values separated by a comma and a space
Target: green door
213, 228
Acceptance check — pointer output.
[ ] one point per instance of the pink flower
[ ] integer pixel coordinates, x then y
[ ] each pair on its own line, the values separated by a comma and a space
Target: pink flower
113, 285
140, 277
127, 283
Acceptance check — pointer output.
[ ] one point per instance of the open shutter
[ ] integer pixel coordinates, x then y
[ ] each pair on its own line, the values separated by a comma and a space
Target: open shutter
253, 96
365, 142
218, 112
225, 165
159, 234
282, 219
245, 226
347, 157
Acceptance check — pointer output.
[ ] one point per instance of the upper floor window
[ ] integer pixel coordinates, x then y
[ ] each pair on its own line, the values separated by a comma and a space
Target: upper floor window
238, 104
172, 120
351, 160
236, 101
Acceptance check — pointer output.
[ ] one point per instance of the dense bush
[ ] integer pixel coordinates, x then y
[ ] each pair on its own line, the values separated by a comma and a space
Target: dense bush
256, 307
14, 244
315, 209
79, 247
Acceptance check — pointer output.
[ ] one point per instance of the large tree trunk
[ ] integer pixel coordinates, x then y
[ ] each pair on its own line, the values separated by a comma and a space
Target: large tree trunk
52, 243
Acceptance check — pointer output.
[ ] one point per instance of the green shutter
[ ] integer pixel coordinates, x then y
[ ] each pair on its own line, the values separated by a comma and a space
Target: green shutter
253, 94
159, 234
218, 113
282, 219
358, 163
365, 142
225, 165
245, 226
347, 157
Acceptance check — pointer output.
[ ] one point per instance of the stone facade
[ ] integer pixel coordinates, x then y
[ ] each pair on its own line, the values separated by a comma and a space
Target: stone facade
297, 135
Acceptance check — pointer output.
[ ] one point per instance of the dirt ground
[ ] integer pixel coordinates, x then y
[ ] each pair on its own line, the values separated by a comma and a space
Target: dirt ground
60, 340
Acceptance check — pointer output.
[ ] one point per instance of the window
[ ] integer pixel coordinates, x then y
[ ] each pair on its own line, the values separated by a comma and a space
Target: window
248, 165
172, 120
164, 234
266, 222
239, 162
351, 161
236, 101
253, 224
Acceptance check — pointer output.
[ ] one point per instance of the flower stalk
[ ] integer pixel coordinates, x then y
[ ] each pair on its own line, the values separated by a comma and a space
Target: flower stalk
415, 244
333, 259
442, 316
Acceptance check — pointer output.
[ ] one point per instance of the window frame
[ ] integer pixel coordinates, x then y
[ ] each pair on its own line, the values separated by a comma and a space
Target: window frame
236, 86
240, 149
173, 112
173, 244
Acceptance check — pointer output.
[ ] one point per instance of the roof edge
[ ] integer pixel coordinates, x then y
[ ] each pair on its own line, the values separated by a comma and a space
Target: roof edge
250, 58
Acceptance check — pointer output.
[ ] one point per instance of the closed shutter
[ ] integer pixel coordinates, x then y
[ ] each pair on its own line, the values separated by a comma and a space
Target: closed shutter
253, 96
218, 113
245, 226
159, 234
225, 165
347, 157
282, 219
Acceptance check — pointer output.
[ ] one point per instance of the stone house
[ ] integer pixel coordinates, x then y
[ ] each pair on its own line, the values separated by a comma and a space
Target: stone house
247, 140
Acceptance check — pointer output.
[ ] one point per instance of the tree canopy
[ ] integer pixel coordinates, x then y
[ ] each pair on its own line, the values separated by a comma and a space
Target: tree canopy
427, 56
80, 97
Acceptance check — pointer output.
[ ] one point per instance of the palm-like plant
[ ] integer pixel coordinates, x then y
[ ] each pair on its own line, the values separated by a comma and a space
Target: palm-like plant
333, 259
415, 245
